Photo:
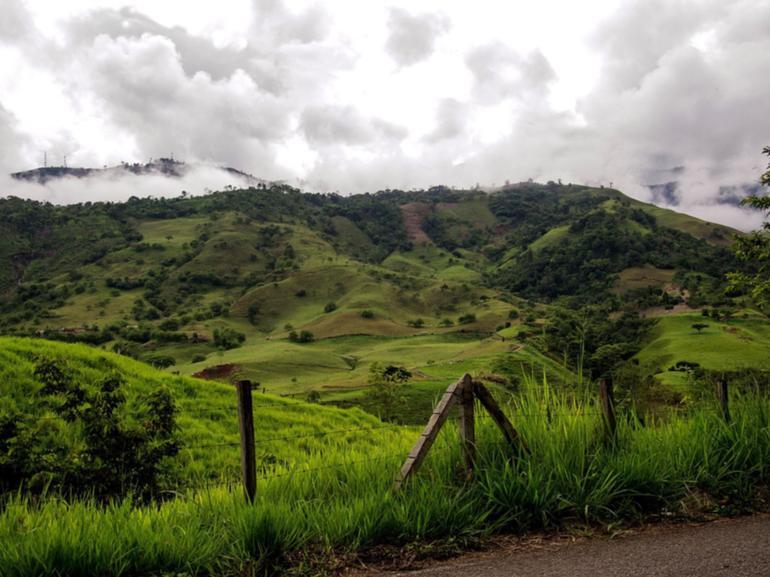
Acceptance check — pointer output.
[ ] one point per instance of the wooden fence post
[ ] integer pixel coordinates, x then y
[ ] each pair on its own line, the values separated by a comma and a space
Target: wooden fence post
248, 449
467, 427
607, 400
723, 398
437, 419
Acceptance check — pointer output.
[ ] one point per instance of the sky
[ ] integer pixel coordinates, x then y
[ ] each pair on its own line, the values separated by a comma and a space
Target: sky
356, 96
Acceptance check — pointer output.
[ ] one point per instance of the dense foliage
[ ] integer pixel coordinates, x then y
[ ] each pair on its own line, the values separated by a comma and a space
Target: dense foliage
169, 279
754, 250
113, 453
593, 342
602, 244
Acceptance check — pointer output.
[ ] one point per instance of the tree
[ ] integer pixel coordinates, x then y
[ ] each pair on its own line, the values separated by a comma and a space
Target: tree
228, 338
699, 327
754, 250
252, 313
105, 453
301, 337
466, 319
386, 392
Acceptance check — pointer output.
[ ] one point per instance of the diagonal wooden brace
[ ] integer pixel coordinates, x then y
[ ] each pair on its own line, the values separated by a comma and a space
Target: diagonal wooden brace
498, 416
440, 414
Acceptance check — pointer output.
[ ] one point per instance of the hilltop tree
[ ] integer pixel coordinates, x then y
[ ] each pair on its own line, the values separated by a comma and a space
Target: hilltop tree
699, 327
754, 249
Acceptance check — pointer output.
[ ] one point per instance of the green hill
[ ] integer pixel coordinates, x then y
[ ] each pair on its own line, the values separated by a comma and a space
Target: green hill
207, 415
739, 342
224, 285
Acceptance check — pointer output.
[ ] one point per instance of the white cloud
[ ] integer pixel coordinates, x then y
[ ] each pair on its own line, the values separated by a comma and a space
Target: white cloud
412, 37
362, 96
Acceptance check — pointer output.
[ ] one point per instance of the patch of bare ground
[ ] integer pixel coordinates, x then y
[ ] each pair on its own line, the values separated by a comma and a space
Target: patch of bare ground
656, 312
413, 214
224, 372
562, 552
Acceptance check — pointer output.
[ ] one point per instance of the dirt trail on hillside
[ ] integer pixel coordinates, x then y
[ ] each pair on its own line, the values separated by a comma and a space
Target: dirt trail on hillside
413, 214
726, 548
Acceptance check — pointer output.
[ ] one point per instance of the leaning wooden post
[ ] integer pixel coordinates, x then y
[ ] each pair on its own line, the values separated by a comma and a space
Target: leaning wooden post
498, 416
607, 399
467, 427
723, 398
440, 414
248, 449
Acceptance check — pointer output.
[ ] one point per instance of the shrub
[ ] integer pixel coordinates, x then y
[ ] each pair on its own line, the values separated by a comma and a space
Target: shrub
330, 307
161, 361
301, 337
367, 314
198, 358
228, 338
386, 388
115, 455
169, 325
466, 319
305, 337
416, 323
252, 313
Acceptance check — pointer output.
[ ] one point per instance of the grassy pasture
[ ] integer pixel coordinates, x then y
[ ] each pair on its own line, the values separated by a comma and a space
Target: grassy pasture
338, 499
742, 342
207, 409
642, 277
475, 212
552, 237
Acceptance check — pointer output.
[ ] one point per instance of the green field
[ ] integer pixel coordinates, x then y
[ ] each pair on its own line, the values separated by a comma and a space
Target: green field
207, 410
740, 343
326, 498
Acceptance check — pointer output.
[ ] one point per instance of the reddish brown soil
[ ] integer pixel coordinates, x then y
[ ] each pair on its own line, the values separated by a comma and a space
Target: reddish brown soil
218, 372
413, 214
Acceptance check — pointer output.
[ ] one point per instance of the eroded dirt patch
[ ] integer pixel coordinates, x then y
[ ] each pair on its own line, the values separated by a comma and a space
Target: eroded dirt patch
224, 372
413, 214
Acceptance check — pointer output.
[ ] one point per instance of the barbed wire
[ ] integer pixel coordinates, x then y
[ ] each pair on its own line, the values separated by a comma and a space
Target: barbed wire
301, 471
259, 441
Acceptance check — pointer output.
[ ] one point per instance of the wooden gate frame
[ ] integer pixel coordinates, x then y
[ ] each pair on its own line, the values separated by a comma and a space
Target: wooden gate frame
464, 392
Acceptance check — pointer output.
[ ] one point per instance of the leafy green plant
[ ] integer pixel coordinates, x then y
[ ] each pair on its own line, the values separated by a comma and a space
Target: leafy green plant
386, 384
116, 454
227, 338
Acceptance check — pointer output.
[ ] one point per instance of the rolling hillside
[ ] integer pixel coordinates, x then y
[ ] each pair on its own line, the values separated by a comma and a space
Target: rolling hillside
303, 292
207, 415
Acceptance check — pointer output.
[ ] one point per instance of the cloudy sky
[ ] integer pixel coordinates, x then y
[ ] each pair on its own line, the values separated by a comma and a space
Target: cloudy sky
358, 96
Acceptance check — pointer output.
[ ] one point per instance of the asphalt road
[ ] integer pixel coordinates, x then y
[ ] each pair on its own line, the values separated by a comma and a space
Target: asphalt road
726, 548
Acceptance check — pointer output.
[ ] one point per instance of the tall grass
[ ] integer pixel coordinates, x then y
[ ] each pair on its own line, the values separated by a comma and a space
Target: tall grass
569, 475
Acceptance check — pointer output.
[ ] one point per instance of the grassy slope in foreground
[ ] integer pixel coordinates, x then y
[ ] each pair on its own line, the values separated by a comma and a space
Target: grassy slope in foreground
570, 476
207, 412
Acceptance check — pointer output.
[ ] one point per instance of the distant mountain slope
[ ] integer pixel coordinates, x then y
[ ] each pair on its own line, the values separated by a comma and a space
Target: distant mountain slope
179, 280
161, 166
